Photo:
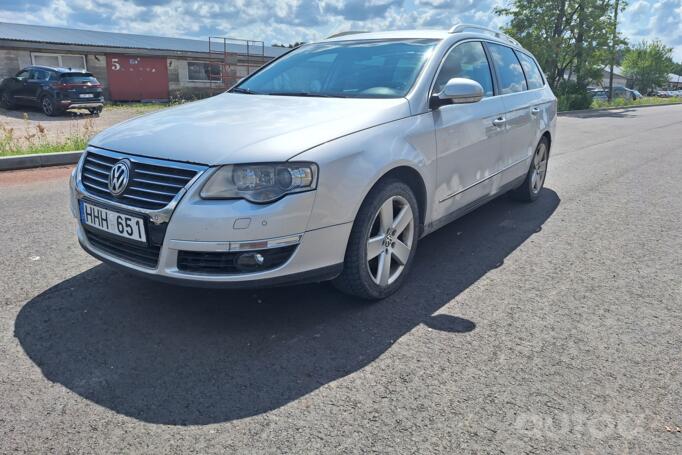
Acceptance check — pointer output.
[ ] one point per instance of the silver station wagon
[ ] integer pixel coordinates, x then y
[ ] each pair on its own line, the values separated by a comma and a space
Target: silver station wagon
329, 163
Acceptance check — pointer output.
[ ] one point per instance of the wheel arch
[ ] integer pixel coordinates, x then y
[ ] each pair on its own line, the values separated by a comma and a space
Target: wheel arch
412, 178
547, 135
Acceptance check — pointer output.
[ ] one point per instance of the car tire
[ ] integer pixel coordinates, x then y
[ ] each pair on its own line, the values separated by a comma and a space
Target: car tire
48, 106
95, 111
6, 101
530, 189
386, 228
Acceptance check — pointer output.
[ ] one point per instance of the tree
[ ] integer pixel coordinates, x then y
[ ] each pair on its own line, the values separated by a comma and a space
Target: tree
648, 64
570, 38
677, 69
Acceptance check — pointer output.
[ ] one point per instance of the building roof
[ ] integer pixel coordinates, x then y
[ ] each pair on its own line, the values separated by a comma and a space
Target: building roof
674, 78
60, 35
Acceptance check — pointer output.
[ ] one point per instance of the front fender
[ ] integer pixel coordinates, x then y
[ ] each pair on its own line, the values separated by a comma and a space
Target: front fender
350, 166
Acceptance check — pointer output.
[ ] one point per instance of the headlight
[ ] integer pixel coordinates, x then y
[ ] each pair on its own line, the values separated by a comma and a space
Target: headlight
260, 183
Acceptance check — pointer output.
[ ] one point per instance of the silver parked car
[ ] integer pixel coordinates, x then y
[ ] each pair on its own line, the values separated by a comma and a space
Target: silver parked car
330, 162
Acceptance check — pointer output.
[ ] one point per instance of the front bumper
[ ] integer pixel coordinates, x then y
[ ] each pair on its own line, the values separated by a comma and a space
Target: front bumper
191, 224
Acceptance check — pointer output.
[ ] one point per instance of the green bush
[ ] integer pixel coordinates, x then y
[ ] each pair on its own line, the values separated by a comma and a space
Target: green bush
573, 96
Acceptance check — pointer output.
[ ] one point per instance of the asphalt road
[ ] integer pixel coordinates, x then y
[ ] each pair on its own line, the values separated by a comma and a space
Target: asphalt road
546, 328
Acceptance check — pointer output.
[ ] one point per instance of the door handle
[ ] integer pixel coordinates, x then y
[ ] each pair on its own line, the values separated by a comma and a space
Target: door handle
500, 121
535, 111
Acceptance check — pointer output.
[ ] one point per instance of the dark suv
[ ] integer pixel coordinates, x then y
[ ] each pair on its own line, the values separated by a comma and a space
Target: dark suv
54, 90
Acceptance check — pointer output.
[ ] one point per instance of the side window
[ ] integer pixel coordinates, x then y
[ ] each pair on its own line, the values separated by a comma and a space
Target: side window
533, 75
509, 72
467, 60
39, 75
22, 74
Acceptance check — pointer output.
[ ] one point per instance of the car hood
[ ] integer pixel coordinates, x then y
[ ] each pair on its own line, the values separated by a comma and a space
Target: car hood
240, 128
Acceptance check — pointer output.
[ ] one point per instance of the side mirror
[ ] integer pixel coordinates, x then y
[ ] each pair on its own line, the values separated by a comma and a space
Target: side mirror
458, 91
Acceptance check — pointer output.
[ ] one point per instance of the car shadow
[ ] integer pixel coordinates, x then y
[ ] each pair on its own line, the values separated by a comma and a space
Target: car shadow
181, 356
614, 113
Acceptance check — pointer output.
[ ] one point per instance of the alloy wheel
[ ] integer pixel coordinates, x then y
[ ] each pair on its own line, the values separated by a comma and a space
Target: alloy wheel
540, 160
47, 106
390, 241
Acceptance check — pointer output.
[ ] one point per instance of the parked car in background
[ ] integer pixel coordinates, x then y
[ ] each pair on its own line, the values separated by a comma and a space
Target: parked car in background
54, 90
599, 95
395, 135
635, 94
602, 94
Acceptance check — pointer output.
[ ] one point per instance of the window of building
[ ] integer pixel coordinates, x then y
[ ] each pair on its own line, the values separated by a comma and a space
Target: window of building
533, 75
509, 71
73, 61
468, 60
204, 71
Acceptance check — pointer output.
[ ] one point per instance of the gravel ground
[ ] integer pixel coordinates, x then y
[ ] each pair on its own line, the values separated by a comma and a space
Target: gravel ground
547, 328
27, 121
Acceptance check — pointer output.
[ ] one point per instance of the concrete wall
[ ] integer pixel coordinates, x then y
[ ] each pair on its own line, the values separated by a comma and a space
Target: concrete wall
180, 86
97, 65
12, 60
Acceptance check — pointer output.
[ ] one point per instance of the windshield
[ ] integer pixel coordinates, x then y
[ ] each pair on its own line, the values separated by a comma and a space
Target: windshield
77, 78
345, 69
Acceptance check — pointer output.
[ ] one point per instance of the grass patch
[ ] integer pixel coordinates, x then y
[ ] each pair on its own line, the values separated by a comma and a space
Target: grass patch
622, 102
35, 139
140, 107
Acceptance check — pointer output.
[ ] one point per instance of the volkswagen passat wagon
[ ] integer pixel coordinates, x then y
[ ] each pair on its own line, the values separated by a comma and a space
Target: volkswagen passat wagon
329, 163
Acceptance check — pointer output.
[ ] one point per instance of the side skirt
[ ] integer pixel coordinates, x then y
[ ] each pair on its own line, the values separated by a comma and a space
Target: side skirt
450, 217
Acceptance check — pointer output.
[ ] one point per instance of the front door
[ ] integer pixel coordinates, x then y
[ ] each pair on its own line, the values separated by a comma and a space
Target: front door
468, 136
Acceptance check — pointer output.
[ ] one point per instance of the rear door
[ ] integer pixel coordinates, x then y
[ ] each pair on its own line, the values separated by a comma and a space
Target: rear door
468, 136
519, 104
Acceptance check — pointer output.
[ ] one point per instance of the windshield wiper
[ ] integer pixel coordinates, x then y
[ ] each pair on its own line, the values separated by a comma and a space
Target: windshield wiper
244, 90
309, 94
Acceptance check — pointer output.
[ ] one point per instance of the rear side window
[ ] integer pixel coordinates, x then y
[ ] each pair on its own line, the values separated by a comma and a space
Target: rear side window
533, 75
509, 72
468, 60
78, 78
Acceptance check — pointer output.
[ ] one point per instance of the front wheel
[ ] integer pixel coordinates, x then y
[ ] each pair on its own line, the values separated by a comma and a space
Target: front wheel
382, 243
95, 110
6, 100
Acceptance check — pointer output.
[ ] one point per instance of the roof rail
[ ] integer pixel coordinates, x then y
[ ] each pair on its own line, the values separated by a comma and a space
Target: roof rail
350, 32
496, 33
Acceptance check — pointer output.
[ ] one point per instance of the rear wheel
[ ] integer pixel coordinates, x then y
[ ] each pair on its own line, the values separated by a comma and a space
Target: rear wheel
535, 179
6, 100
48, 106
382, 243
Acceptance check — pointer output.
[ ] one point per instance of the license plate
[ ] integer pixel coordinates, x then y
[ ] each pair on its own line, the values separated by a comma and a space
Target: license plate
86, 95
129, 227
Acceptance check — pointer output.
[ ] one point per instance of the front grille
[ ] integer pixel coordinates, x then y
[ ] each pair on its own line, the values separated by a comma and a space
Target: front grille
146, 256
151, 186
219, 263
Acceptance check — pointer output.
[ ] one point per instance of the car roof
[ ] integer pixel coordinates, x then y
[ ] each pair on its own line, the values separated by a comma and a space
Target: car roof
397, 34
439, 35
56, 68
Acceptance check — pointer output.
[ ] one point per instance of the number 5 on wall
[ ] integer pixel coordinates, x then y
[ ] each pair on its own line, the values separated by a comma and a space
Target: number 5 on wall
115, 65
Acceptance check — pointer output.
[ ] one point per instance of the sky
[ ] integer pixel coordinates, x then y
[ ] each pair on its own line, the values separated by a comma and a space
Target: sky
288, 21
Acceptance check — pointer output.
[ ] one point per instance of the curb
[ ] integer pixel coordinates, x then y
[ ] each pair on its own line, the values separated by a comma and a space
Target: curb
589, 111
13, 163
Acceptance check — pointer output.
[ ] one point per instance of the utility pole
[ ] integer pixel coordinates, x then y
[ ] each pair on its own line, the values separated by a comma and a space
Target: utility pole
613, 48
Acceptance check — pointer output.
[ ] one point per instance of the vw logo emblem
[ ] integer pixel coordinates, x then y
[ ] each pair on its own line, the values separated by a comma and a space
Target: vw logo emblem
118, 177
